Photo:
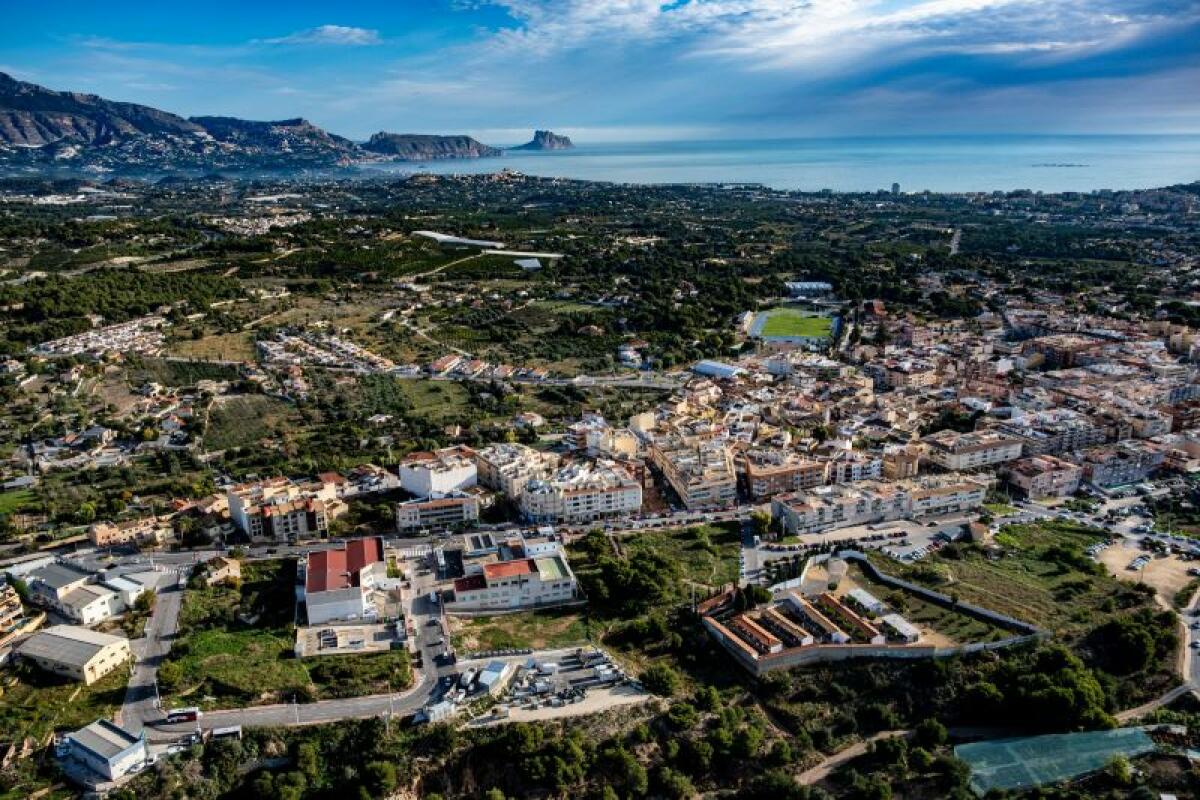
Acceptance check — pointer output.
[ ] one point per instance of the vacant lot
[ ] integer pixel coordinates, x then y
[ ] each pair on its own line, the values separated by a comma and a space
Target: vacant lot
36, 703
530, 629
236, 649
1043, 577
792, 322
243, 421
706, 554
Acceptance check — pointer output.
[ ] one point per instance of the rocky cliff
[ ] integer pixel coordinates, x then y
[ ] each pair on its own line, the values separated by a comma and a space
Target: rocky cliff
547, 140
423, 147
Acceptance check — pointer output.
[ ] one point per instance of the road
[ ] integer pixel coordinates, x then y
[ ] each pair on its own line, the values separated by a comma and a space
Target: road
140, 706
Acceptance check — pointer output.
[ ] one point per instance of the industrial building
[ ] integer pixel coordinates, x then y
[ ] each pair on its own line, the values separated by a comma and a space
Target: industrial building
75, 652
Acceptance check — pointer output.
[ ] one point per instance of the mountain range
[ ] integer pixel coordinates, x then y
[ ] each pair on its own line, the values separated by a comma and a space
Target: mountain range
40, 127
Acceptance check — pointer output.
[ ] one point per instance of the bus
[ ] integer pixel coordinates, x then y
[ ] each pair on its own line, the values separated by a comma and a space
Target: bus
190, 714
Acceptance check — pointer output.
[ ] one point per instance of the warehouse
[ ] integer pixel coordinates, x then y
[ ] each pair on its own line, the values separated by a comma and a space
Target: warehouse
76, 653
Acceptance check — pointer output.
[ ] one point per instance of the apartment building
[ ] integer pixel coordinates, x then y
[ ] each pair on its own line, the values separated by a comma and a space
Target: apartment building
849, 466
839, 506
279, 508
582, 492
508, 467
699, 470
869, 502
1058, 430
768, 472
147, 530
439, 511
932, 497
1038, 477
966, 451
451, 469
1122, 464
540, 581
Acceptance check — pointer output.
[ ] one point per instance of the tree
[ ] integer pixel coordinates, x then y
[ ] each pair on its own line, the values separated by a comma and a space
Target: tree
661, 680
1120, 770
930, 733
85, 514
169, 675
761, 522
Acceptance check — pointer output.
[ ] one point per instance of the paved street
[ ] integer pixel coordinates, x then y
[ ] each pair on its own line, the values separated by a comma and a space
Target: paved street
140, 705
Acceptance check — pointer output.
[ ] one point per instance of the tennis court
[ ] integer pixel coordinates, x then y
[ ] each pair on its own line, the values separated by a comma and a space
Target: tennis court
1038, 760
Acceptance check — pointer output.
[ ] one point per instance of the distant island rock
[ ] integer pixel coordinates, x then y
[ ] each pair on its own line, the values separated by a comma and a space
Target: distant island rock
424, 147
547, 140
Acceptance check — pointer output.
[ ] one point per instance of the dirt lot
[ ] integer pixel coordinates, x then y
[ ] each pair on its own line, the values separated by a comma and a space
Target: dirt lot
1167, 575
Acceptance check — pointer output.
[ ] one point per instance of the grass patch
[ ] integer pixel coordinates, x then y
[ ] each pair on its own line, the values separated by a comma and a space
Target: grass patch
16, 500
793, 322
528, 629
1000, 509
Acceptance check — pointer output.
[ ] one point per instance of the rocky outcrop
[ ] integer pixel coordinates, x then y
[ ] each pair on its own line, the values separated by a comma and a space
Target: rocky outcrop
423, 147
547, 140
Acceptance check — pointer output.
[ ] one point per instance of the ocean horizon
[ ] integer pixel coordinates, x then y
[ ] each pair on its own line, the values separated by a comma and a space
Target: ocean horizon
1047, 163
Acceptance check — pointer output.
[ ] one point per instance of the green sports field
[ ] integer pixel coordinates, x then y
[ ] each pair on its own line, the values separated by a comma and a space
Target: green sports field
791, 322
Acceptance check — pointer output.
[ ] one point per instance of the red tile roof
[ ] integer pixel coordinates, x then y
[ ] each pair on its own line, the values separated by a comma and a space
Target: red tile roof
508, 569
339, 569
469, 583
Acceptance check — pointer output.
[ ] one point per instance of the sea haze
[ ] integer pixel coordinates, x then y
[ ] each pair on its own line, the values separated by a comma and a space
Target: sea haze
936, 163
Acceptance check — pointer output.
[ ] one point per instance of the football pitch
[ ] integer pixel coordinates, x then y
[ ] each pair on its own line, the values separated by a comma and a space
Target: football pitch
790, 322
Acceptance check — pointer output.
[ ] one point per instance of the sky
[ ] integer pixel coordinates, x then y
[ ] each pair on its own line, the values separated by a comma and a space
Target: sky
632, 70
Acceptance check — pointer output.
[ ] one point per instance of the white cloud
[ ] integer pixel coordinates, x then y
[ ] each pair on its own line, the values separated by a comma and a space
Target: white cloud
341, 35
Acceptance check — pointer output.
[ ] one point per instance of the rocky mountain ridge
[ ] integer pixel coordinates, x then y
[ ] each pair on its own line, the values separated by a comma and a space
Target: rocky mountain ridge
41, 128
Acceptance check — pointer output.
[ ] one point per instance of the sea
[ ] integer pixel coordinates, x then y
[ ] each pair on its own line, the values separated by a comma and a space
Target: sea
864, 164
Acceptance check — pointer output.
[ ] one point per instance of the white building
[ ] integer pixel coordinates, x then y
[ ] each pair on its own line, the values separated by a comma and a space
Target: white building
440, 472
965, 451
541, 581
107, 750
582, 492
453, 510
508, 467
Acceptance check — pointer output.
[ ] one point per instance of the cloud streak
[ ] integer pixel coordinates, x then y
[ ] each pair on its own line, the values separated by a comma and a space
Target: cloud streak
338, 35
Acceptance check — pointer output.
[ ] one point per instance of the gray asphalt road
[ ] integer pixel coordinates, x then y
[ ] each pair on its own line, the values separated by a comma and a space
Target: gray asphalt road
140, 705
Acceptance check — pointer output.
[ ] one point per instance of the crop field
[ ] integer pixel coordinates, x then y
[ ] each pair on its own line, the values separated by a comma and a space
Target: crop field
793, 322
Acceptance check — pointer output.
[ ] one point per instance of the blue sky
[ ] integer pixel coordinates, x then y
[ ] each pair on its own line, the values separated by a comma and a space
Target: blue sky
610, 70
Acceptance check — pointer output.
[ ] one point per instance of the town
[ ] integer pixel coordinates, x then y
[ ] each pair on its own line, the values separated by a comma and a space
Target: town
337, 469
